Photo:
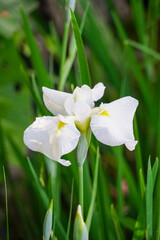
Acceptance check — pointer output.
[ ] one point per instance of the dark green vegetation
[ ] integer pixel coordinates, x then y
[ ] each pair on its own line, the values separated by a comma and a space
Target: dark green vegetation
122, 51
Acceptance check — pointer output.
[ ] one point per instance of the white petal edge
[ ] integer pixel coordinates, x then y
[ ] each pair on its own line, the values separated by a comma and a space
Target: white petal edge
131, 145
98, 91
117, 128
54, 100
65, 163
42, 136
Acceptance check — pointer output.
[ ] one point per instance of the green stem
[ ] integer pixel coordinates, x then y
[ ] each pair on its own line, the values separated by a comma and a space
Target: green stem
94, 191
80, 170
63, 57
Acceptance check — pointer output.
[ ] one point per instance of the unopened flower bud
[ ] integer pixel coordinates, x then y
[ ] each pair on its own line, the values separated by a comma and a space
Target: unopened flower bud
80, 231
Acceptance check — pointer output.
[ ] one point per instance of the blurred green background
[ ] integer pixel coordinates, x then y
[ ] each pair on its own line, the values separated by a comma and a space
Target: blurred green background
121, 40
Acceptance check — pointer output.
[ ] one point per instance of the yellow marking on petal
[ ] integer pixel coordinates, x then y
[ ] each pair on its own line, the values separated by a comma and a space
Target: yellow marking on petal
60, 125
104, 113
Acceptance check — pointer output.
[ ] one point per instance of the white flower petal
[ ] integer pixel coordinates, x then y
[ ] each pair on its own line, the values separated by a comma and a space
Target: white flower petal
83, 94
67, 119
98, 91
45, 137
68, 105
131, 145
37, 135
68, 138
64, 162
54, 100
82, 111
117, 128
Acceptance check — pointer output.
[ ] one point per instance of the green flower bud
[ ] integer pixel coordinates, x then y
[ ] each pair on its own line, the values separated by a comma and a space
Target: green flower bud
47, 225
80, 231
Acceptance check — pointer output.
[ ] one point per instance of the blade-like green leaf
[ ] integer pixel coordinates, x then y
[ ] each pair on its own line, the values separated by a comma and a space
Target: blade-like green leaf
143, 85
142, 183
38, 187
70, 212
47, 225
37, 62
139, 230
83, 65
149, 201
118, 229
127, 222
139, 19
103, 51
154, 171
69, 5
94, 191
5, 184
72, 52
143, 48
156, 209
128, 175
139, 164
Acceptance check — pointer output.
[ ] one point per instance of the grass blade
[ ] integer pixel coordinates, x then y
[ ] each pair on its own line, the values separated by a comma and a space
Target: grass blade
139, 164
24, 218
72, 51
149, 201
94, 190
138, 17
70, 212
5, 184
119, 232
38, 187
127, 222
36, 58
36, 95
71, 4
156, 210
83, 65
155, 170
47, 225
143, 48
142, 183
106, 42
143, 85
104, 211
139, 230
63, 56
128, 175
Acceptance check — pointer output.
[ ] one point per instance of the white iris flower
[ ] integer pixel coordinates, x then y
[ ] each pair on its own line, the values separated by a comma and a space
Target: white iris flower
112, 123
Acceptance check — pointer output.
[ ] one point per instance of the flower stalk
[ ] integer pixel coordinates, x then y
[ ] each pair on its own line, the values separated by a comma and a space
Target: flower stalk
94, 191
80, 171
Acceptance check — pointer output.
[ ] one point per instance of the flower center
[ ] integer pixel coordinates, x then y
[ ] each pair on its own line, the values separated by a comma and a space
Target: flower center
60, 125
82, 126
104, 113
